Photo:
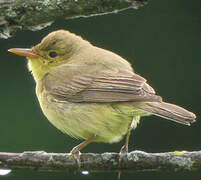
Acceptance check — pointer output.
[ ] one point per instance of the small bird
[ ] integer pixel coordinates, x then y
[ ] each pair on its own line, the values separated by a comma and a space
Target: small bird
91, 93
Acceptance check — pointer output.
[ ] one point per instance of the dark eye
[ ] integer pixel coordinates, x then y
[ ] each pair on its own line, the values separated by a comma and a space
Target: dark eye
52, 54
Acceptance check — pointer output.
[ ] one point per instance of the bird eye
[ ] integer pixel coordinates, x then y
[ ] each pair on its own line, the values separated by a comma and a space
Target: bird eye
52, 54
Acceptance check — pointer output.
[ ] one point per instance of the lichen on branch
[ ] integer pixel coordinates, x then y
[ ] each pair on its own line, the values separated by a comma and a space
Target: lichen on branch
37, 14
134, 161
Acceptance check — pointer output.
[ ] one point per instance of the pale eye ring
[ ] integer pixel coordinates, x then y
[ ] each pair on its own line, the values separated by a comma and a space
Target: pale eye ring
53, 54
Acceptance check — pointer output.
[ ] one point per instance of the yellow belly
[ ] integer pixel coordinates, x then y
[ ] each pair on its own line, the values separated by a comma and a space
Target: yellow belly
84, 120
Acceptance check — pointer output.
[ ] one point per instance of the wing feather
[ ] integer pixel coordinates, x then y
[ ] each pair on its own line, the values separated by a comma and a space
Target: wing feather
89, 85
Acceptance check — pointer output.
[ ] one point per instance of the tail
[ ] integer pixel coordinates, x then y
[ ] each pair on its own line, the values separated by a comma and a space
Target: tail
168, 111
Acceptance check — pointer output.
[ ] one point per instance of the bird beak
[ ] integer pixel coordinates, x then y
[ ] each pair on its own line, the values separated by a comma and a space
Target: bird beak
25, 52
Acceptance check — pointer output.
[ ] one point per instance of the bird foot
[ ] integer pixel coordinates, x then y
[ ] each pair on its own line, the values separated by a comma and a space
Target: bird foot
76, 155
124, 150
123, 153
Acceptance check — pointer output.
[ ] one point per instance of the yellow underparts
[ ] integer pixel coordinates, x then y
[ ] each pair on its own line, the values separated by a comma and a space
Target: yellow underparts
38, 68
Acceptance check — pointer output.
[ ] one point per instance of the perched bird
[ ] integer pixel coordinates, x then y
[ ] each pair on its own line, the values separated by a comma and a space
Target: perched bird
92, 93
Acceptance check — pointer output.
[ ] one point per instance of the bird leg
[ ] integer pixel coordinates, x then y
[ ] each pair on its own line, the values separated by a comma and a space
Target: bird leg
75, 152
124, 149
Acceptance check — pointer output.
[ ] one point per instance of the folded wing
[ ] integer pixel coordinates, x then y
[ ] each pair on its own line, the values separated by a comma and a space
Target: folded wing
84, 84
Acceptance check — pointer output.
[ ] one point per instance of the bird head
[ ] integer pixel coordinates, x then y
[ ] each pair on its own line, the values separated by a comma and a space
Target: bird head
55, 49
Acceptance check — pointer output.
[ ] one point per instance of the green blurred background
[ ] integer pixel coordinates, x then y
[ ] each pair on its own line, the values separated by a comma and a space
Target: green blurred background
162, 40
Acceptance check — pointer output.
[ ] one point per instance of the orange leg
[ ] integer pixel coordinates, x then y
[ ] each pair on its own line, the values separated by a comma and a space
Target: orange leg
75, 152
124, 150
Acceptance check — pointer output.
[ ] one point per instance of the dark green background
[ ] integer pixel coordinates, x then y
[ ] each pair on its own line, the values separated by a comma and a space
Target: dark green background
163, 42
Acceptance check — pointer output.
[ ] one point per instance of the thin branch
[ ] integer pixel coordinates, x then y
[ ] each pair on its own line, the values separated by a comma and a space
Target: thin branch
37, 14
107, 162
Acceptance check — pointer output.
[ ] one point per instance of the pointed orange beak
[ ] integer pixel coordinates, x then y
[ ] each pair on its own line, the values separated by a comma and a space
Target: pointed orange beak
25, 52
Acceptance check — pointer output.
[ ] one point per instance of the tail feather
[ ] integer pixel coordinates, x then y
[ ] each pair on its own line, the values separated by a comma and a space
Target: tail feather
168, 111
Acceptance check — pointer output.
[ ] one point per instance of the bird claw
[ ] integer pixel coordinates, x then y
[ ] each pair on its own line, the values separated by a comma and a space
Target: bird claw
76, 155
124, 150
123, 153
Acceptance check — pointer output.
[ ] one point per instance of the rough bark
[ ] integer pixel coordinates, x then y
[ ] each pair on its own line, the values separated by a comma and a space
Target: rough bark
107, 162
37, 14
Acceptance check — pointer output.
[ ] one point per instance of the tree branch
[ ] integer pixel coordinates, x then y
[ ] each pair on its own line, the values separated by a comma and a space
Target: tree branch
107, 162
37, 14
